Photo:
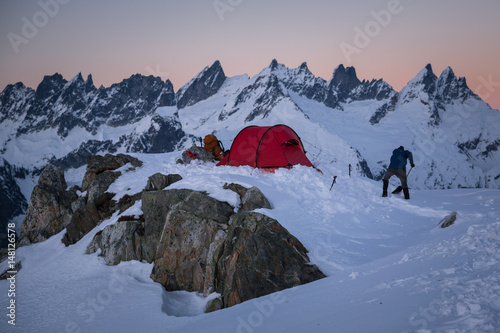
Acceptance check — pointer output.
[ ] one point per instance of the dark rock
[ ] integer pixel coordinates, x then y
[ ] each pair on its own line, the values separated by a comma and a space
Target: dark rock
187, 253
8, 272
184, 233
49, 210
448, 220
205, 207
251, 198
101, 172
98, 164
83, 221
78, 203
79, 156
88, 217
190, 242
119, 242
201, 154
127, 201
214, 305
239, 189
159, 181
12, 201
261, 257
100, 183
155, 206
254, 199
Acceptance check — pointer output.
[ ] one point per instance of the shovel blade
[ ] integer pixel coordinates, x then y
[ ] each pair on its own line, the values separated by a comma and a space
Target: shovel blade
397, 190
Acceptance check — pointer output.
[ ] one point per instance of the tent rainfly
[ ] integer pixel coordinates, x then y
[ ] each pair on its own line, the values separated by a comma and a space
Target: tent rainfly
268, 147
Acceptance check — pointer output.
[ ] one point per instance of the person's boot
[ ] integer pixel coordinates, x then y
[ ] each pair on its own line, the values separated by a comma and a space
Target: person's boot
407, 193
384, 190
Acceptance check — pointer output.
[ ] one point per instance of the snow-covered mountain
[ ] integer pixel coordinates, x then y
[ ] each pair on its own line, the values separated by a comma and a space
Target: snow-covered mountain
453, 134
389, 267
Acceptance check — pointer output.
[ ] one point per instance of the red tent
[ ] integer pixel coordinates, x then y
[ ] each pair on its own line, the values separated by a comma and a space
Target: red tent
271, 147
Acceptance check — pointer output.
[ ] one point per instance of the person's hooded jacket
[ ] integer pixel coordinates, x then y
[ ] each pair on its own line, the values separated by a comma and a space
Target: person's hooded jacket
399, 157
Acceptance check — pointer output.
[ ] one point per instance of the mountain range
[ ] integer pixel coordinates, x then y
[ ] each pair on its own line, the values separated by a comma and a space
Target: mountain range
353, 123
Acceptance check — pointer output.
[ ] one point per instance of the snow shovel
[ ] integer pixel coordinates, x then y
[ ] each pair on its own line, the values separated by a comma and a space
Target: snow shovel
400, 188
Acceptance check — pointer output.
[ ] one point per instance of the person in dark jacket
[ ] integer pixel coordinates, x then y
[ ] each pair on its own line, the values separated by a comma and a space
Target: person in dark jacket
398, 168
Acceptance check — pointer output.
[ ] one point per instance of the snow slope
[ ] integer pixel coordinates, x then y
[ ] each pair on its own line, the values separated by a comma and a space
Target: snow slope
389, 267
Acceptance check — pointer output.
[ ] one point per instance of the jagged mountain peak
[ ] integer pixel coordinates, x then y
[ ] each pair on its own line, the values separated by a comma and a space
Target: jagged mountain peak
425, 77
78, 77
202, 86
274, 64
447, 73
89, 85
14, 100
449, 87
77, 82
424, 81
49, 85
433, 92
11, 88
344, 79
443, 89
215, 67
273, 68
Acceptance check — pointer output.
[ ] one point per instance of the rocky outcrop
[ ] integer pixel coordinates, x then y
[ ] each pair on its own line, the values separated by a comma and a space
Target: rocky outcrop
155, 206
448, 220
253, 199
98, 204
190, 244
121, 241
12, 201
261, 257
159, 181
101, 172
196, 153
49, 210
198, 243
250, 198
88, 217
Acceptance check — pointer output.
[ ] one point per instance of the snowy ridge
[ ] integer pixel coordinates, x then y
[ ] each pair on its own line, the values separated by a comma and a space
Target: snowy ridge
389, 267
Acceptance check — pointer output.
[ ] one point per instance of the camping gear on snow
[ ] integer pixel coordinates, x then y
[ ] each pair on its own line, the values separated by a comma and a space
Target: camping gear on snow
213, 145
333, 182
268, 147
190, 154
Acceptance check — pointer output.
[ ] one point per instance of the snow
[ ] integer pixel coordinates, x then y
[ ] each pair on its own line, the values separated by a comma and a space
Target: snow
167, 111
389, 266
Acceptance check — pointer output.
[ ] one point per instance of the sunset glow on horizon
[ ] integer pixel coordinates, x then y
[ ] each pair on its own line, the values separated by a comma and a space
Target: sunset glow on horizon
390, 40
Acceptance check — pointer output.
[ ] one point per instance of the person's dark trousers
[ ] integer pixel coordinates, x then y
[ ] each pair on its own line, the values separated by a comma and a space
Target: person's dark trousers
384, 190
401, 174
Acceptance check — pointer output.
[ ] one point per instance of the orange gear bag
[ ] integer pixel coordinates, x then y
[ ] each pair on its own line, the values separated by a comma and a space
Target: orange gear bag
211, 144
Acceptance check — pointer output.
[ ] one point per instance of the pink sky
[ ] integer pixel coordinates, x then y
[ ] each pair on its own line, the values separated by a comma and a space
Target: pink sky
391, 39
